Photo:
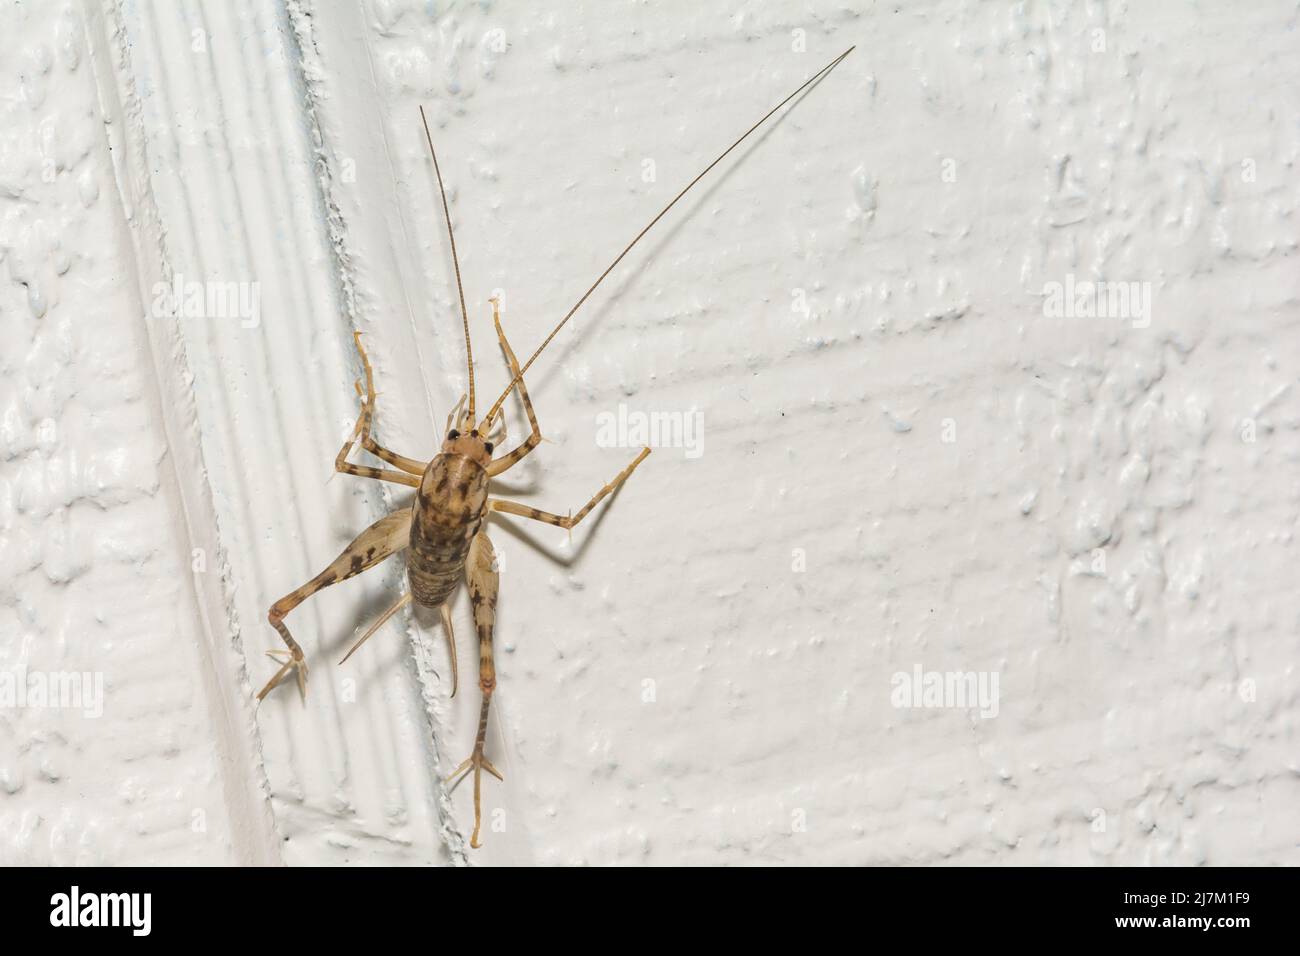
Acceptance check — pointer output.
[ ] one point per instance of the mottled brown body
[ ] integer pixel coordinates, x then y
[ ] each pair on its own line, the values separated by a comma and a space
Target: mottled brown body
449, 509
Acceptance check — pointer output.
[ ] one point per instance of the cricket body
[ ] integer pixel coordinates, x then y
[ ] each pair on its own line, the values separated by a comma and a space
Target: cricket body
442, 531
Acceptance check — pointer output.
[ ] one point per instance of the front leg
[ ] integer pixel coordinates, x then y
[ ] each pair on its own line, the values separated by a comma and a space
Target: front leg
410, 469
481, 575
508, 461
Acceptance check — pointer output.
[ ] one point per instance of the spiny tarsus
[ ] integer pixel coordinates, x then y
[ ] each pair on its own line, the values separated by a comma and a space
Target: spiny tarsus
443, 532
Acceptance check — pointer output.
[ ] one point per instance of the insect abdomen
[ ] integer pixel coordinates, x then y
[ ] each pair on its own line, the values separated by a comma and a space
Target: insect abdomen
449, 508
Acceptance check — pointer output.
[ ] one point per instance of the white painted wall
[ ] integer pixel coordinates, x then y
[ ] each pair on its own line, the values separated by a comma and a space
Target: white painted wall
908, 462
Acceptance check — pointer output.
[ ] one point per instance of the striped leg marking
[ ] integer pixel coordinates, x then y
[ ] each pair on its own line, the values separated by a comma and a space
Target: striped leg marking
568, 521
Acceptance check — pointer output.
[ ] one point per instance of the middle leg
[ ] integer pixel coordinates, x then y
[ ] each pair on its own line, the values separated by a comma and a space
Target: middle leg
568, 521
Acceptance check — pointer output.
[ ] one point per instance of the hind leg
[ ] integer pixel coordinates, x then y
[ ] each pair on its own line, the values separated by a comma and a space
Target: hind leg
385, 537
482, 579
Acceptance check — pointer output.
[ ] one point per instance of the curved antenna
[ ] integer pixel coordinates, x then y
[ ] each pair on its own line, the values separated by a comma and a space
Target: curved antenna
496, 406
464, 315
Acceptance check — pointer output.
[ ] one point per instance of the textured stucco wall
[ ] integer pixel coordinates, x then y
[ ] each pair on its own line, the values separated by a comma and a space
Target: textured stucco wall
919, 455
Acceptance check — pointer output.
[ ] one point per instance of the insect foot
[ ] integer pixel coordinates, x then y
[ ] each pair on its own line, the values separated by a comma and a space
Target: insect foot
479, 763
293, 661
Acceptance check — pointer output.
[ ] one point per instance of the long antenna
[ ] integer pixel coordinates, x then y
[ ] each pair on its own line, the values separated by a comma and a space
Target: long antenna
464, 315
496, 406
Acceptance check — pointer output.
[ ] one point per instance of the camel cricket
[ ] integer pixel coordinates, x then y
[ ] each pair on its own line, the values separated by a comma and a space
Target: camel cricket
443, 530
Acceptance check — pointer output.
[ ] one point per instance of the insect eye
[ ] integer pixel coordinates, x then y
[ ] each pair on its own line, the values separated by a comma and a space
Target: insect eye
453, 435
474, 433
489, 446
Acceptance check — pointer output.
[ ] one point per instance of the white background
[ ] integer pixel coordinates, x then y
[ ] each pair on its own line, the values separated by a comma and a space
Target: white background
906, 463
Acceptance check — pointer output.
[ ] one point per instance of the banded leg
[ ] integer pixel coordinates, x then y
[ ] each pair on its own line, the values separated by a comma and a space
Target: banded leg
568, 521
410, 468
482, 579
385, 537
506, 462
